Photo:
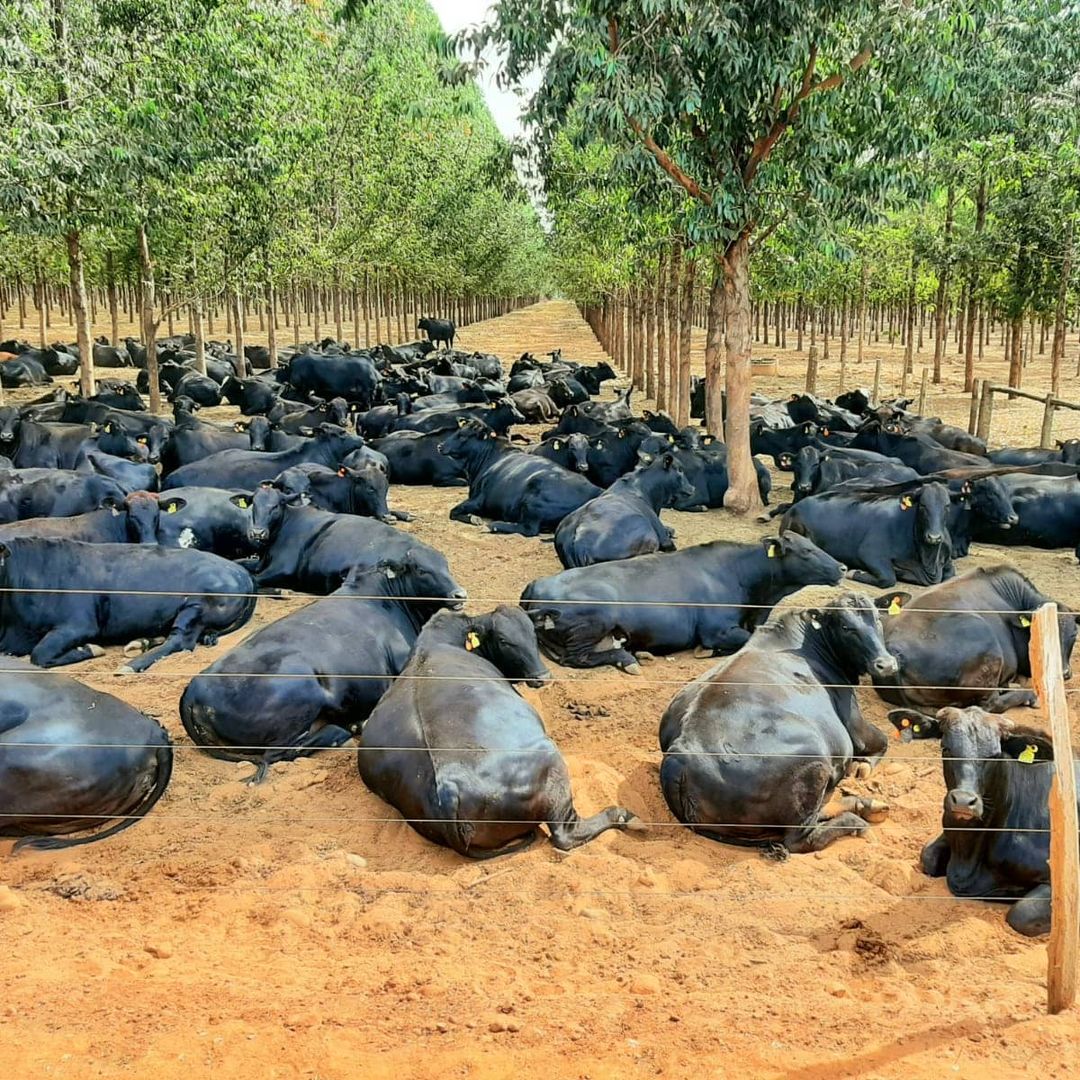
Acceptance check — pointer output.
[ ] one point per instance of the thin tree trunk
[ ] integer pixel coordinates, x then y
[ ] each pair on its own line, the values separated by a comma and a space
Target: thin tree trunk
972, 286
674, 284
81, 314
648, 297
943, 287
1016, 350
660, 305
742, 494
909, 342
114, 314
271, 322
843, 340
149, 323
686, 323
1057, 349
714, 340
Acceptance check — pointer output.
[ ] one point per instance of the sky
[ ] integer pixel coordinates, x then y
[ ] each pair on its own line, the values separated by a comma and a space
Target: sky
504, 104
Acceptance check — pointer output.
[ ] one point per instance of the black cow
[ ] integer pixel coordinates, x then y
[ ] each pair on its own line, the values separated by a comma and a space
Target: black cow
611, 412
354, 378
995, 840
74, 759
704, 460
710, 596
498, 418
622, 521
313, 550
569, 451
565, 391
445, 400
536, 406
37, 493
119, 396
947, 435
368, 625
961, 640
1047, 510
818, 470
920, 452
896, 532
414, 458
130, 475
205, 519
464, 758
336, 412
757, 763
1067, 452
23, 371
439, 331
613, 452
123, 592
106, 355
200, 388
592, 378
192, 441
780, 442
343, 490
246, 469
253, 397
521, 492
109, 525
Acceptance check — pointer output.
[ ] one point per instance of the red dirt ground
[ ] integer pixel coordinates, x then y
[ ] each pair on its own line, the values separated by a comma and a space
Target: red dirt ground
298, 929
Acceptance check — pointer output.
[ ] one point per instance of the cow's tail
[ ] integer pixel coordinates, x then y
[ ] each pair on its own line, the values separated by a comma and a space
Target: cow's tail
137, 813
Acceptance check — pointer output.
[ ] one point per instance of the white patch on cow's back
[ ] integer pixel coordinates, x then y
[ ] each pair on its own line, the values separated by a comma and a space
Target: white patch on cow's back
187, 538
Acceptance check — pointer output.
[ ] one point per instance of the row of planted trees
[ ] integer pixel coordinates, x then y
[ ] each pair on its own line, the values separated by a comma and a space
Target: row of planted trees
766, 153
247, 153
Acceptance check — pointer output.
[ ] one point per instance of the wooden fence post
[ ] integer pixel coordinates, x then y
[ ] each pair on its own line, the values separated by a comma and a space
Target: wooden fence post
922, 391
973, 416
986, 410
1046, 438
1063, 951
811, 370
874, 399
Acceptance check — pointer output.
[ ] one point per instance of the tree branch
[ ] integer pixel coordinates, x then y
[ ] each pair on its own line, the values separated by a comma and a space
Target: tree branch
763, 146
663, 158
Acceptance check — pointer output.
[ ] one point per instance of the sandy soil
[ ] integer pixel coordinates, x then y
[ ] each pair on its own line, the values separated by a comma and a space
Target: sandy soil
298, 929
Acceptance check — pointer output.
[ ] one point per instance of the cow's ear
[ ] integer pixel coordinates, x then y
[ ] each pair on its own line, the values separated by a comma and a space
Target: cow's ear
556, 444
242, 501
906, 502
708, 440
911, 724
813, 617
794, 397
1027, 747
785, 461
643, 456
5, 551
772, 546
669, 461
1023, 621
810, 428
390, 572
462, 421
173, 505
892, 602
342, 471
239, 426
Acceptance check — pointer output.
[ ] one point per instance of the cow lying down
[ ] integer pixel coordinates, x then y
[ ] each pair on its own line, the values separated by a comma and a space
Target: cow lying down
464, 758
73, 759
995, 839
754, 749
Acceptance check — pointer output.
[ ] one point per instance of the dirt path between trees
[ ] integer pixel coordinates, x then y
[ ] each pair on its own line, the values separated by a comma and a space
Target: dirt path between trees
298, 929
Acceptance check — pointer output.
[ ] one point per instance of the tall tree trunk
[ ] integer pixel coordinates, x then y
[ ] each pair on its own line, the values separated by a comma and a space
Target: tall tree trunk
238, 325
149, 323
862, 312
674, 284
972, 287
81, 314
686, 324
742, 493
1016, 350
800, 317
39, 289
647, 299
943, 287
1057, 349
271, 322
114, 314
660, 304
714, 340
843, 340
909, 342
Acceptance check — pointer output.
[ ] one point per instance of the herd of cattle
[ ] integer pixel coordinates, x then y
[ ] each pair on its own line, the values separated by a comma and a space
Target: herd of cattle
119, 527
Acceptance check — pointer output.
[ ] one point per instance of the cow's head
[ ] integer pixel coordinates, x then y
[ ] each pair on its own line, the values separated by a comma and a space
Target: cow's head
806, 467
258, 430
1070, 451
144, 510
988, 498
10, 420
799, 561
849, 630
931, 509
504, 637
267, 505
460, 442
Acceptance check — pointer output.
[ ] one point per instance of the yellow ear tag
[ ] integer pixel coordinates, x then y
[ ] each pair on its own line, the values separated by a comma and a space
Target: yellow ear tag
171, 508
905, 722
894, 607
242, 503
1027, 755
1024, 620
671, 438
905, 503
916, 729
472, 641
772, 551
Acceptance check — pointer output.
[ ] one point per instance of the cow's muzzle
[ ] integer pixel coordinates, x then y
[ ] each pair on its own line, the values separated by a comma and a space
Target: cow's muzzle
457, 599
935, 538
885, 665
963, 805
541, 678
258, 536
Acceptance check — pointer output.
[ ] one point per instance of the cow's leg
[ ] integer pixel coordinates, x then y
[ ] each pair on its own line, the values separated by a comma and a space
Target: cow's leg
882, 575
935, 857
65, 645
571, 831
616, 657
821, 834
868, 743
1031, 916
1003, 700
326, 738
467, 511
872, 810
401, 515
184, 635
723, 640
520, 528
767, 516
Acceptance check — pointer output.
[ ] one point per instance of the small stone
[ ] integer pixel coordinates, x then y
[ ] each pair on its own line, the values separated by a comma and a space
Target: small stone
496, 1026
645, 983
9, 899
513, 1025
593, 913
161, 949
837, 989
442, 1029
356, 860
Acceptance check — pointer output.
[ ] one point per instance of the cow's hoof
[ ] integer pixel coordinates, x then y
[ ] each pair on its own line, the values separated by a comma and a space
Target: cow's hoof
124, 669
872, 810
136, 648
646, 657
763, 519
477, 521
701, 653
860, 770
633, 669
635, 824
95, 650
